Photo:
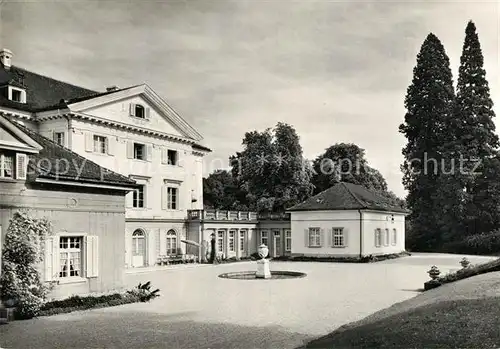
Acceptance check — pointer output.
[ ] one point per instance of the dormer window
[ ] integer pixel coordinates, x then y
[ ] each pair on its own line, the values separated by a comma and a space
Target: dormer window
17, 94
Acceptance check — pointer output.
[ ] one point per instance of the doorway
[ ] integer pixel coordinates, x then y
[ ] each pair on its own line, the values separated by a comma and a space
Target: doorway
138, 248
277, 243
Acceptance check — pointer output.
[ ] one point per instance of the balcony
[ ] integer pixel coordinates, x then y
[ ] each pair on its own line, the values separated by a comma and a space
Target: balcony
220, 215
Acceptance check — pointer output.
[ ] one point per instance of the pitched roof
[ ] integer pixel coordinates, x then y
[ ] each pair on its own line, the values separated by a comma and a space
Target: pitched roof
41, 91
60, 163
347, 196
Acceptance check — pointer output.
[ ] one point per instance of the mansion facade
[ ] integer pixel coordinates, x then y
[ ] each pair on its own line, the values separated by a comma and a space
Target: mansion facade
134, 132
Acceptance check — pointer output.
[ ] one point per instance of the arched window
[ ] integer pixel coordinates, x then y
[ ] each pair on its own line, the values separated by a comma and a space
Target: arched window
138, 243
171, 242
140, 112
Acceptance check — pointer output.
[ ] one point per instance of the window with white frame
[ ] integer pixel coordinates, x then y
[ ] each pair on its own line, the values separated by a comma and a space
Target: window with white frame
264, 238
288, 240
6, 166
172, 198
394, 237
138, 197
242, 240
100, 144
59, 138
378, 237
314, 237
220, 241
231, 240
70, 256
17, 95
138, 243
338, 238
386, 238
171, 242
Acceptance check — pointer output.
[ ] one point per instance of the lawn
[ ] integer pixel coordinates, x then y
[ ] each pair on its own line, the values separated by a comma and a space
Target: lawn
464, 314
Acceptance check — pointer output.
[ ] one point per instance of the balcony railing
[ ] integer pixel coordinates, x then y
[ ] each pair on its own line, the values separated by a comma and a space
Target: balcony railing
222, 215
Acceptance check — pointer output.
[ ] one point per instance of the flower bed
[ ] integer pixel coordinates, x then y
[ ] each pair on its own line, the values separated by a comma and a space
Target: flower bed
141, 293
467, 271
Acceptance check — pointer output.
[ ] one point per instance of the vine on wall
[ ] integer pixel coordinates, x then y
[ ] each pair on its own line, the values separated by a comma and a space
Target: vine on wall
21, 284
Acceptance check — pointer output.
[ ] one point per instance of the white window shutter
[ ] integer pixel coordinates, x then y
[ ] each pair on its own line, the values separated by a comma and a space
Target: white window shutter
321, 237
306, 231
129, 198
149, 152
178, 198
130, 150
330, 237
21, 166
164, 196
92, 256
49, 271
346, 237
164, 156
147, 113
163, 242
132, 109
180, 158
52, 136
89, 142
111, 141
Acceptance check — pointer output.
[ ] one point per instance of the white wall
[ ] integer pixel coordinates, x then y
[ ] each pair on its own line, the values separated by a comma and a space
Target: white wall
350, 222
187, 174
49, 127
325, 220
383, 221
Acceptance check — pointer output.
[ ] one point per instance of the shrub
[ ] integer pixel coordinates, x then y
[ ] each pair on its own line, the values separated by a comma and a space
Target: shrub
144, 293
20, 282
484, 243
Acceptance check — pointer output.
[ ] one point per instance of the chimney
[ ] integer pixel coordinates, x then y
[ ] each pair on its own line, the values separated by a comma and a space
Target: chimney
5, 58
112, 88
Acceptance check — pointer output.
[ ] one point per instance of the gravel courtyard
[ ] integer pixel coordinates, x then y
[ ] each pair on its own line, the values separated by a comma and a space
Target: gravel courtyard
199, 310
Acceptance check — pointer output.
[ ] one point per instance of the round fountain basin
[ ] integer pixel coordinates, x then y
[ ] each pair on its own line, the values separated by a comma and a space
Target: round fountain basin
275, 275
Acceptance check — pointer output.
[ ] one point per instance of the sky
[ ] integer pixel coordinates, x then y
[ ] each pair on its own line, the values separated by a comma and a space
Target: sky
335, 70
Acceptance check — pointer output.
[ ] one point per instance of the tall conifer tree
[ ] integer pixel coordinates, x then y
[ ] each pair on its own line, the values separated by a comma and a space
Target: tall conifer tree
474, 116
429, 103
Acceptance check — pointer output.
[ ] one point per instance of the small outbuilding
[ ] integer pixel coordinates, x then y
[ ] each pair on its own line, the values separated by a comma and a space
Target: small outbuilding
347, 220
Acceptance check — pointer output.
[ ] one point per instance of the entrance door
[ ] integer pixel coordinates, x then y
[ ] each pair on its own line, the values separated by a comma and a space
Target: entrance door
138, 248
277, 243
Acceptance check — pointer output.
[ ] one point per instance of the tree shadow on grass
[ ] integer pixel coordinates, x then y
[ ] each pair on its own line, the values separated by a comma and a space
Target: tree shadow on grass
471, 323
143, 330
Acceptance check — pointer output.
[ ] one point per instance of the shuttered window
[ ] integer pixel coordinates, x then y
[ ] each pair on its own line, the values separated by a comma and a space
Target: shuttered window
69, 257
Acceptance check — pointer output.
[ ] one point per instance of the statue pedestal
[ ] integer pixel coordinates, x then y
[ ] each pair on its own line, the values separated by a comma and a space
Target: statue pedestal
263, 271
